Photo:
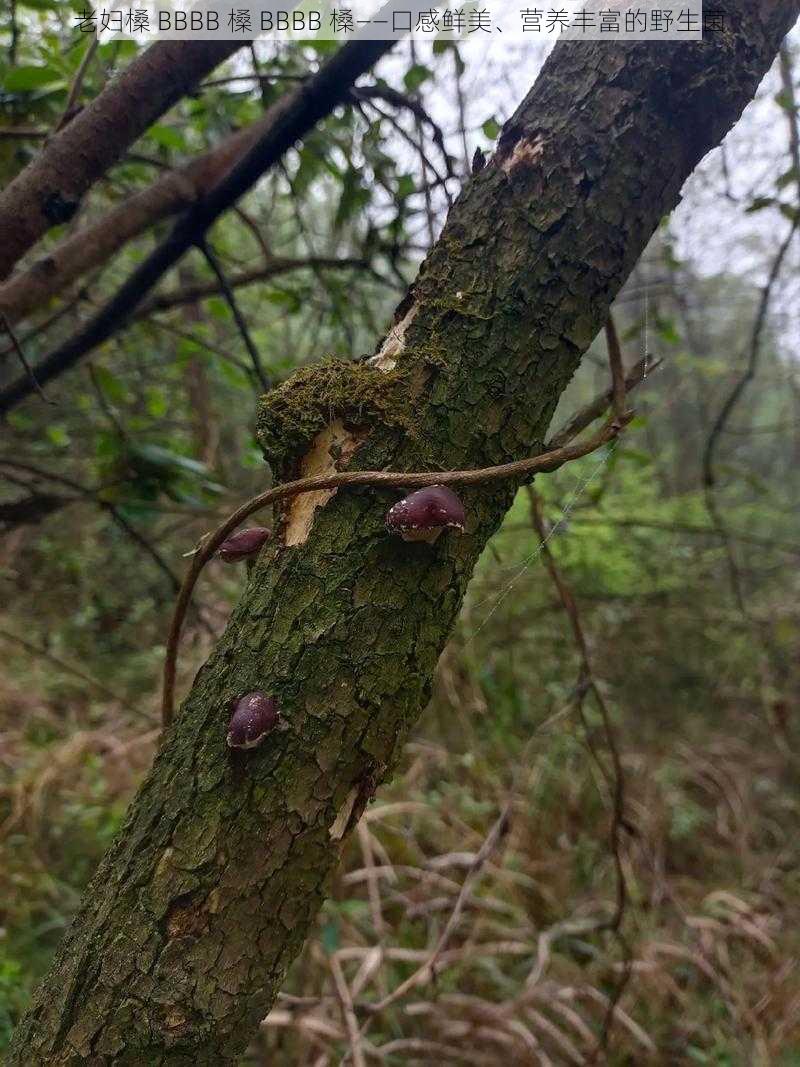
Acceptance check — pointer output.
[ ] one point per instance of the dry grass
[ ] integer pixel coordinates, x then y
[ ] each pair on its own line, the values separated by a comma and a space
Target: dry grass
526, 973
467, 923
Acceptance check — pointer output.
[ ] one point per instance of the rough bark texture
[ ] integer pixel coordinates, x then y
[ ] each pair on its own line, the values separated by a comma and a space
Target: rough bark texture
207, 895
49, 189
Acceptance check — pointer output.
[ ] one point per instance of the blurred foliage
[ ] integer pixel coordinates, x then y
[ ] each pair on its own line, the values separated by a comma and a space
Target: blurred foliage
142, 455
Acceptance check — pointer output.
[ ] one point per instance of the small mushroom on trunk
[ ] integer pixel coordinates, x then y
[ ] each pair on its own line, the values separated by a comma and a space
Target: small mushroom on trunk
423, 515
254, 716
246, 544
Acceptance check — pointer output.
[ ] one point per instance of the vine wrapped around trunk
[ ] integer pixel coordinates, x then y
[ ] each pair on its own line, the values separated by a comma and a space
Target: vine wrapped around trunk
208, 893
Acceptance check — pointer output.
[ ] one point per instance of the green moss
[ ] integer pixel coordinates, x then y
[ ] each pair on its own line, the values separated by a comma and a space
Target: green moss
291, 415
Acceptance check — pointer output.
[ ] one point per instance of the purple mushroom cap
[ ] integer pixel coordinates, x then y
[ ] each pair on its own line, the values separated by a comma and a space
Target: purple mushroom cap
421, 516
244, 544
254, 715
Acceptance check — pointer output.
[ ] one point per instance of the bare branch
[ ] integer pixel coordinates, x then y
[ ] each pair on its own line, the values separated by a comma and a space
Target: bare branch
77, 84
301, 110
193, 294
17, 347
617, 368
616, 780
238, 317
49, 189
595, 408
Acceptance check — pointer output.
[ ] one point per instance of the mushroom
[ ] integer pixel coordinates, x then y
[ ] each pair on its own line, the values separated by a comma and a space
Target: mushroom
243, 545
423, 515
254, 715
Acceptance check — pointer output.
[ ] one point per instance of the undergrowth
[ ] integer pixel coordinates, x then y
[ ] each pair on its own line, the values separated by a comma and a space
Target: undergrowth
704, 708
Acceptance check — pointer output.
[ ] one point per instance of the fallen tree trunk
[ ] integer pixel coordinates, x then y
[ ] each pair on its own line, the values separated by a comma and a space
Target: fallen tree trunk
209, 891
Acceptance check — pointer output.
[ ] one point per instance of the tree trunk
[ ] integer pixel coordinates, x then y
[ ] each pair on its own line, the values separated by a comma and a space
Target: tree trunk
189, 926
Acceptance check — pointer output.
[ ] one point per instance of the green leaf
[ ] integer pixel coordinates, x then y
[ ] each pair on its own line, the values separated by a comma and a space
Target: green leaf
110, 385
284, 298
441, 46
188, 350
232, 375
350, 200
218, 308
114, 51
415, 76
108, 446
22, 79
635, 455
790, 211
58, 436
156, 402
760, 203
668, 332
788, 176
167, 137
491, 128
405, 186
330, 936
40, 5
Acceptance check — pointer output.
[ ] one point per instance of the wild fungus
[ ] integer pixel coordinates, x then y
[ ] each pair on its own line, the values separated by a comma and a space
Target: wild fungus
423, 515
243, 545
254, 716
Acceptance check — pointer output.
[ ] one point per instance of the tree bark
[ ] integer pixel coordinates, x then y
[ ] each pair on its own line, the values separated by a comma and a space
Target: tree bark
49, 189
193, 918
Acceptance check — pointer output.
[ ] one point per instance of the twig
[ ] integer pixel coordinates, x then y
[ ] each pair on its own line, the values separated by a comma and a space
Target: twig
373, 884
787, 85
427, 971
22, 358
192, 294
546, 462
91, 494
429, 213
268, 78
253, 227
13, 133
595, 408
672, 527
586, 683
104, 404
733, 398
77, 83
398, 99
458, 65
617, 369
238, 317
201, 342
46, 323
69, 668
787, 80
14, 34
349, 1015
